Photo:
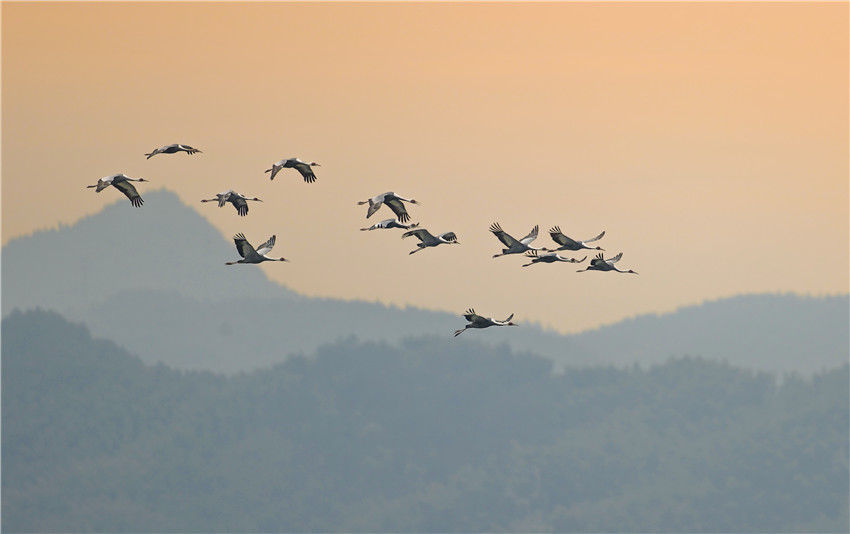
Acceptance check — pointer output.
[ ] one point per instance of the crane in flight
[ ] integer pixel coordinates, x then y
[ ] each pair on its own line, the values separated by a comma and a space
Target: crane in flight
515, 246
239, 202
428, 240
478, 321
567, 243
601, 264
171, 149
390, 223
306, 169
551, 257
392, 200
251, 255
122, 183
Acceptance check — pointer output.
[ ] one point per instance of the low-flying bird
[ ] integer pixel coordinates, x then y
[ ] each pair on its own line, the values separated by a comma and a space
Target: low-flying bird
306, 169
551, 257
477, 321
122, 183
249, 255
571, 244
515, 246
601, 264
428, 240
390, 223
239, 202
392, 200
171, 149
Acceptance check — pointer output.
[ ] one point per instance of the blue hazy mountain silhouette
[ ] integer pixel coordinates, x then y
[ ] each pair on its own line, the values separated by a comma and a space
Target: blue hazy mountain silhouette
164, 246
153, 271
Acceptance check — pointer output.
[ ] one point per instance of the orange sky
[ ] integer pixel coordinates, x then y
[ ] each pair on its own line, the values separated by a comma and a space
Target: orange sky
710, 141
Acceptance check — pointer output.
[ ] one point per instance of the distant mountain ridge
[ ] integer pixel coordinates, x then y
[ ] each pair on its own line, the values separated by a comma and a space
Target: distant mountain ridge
174, 310
176, 242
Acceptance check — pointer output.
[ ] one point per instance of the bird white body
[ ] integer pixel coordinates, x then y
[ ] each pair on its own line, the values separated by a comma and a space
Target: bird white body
122, 183
478, 321
306, 169
514, 246
171, 149
601, 264
551, 257
429, 240
251, 255
393, 201
567, 243
240, 202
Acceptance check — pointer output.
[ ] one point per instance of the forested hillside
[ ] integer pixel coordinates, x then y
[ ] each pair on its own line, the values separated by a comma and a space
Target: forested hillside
428, 435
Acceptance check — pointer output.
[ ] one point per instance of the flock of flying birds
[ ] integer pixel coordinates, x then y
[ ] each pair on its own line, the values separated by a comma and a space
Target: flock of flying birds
395, 203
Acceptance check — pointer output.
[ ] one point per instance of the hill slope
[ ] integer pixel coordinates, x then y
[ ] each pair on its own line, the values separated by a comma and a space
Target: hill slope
173, 309
165, 247
432, 435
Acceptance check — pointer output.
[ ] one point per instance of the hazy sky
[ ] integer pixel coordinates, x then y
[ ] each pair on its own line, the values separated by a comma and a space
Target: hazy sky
710, 141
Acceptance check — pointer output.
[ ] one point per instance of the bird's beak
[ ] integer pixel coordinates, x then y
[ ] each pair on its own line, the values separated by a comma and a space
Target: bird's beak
143, 180
314, 164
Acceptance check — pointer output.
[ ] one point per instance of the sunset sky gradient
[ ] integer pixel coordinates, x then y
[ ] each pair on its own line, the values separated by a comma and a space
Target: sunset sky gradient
710, 141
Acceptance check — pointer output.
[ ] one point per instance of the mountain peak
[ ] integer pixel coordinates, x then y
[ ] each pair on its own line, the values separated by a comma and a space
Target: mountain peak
164, 246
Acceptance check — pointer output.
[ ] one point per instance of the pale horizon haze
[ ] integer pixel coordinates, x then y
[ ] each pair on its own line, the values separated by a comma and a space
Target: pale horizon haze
709, 141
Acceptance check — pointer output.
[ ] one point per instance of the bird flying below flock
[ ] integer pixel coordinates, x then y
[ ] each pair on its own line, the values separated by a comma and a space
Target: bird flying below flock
600, 264
171, 149
428, 240
571, 244
306, 169
392, 200
249, 254
515, 246
122, 183
478, 321
551, 257
390, 223
239, 202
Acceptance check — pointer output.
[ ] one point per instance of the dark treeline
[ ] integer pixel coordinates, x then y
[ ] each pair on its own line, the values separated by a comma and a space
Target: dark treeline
431, 435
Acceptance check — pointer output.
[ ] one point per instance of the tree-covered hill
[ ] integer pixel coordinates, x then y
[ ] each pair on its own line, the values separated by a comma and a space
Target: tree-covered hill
427, 435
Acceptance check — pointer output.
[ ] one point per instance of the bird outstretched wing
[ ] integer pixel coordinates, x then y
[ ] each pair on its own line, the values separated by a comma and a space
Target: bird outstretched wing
471, 316
128, 189
597, 238
274, 170
532, 235
421, 233
306, 171
266, 247
616, 258
240, 204
398, 208
558, 237
243, 247
503, 236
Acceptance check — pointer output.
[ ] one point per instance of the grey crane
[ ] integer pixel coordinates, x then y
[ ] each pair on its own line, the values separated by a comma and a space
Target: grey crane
390, 223
551, 257
428, 240
306, 169
122, 183
515, 246
571, 244
171, 149
392, 200
249, 254
239, 202
601, 264
478, 321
